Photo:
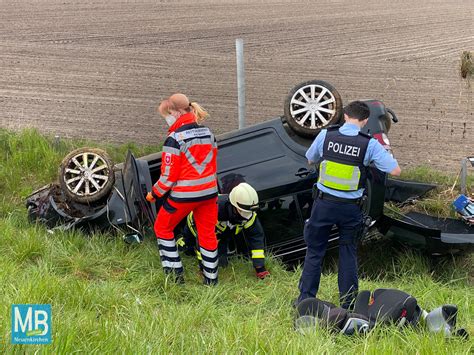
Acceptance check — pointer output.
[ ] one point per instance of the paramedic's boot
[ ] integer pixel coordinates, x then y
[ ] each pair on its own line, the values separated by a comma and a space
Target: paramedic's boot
209, 265
170, 260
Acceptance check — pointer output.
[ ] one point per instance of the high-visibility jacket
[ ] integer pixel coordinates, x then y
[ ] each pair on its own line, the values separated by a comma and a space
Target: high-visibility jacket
342, 164
230, 223
188, 162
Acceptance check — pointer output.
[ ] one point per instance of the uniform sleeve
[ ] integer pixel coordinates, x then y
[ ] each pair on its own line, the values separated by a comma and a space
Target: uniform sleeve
170, 167
255, 237
382, 159
315, 151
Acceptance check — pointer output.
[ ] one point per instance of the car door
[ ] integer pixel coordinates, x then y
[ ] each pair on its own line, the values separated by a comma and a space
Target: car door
281, 220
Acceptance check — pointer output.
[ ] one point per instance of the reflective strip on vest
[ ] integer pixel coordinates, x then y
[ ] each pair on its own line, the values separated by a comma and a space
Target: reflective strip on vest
171, 150
199, 167
164, 180
160, 190
193, 194
247, 224
339, 176
196, 182
258, 254
251, 221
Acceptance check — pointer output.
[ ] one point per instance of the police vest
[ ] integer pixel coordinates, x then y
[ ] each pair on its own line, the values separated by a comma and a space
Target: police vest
342, 166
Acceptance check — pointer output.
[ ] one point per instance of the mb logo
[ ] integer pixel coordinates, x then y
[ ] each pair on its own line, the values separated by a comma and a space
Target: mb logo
31, 323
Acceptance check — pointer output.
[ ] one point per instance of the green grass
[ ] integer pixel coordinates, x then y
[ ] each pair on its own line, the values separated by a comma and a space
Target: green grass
108, 297
439, 201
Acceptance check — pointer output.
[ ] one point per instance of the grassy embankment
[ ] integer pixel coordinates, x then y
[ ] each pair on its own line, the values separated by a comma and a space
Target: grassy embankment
108, 297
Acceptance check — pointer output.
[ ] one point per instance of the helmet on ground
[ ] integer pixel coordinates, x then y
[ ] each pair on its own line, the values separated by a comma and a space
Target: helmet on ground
245, 199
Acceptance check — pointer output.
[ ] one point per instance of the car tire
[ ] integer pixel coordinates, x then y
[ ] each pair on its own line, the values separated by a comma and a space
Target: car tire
367, 204
388, 120
86, 175
303, 110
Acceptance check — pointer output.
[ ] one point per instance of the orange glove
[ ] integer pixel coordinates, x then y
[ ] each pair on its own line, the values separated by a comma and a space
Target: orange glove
150, 197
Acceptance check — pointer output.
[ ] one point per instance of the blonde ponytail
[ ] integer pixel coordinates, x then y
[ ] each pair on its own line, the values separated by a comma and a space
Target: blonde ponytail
200, 113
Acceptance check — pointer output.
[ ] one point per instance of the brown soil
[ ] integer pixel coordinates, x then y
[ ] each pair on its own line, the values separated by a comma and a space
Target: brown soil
98, 69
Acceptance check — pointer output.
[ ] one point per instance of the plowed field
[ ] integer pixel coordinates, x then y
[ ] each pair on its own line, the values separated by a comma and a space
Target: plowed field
97, 69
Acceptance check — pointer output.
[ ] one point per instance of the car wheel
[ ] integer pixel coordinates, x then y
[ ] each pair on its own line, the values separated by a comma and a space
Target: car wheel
388, 120
87, 175
311, 106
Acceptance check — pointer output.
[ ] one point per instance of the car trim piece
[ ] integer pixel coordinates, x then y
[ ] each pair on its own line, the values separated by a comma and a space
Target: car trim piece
300, 249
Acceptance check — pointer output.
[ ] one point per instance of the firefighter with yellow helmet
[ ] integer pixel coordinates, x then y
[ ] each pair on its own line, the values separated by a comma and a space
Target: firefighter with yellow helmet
237, 218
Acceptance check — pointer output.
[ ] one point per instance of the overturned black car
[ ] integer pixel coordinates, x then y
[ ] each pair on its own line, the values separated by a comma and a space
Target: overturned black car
93, 194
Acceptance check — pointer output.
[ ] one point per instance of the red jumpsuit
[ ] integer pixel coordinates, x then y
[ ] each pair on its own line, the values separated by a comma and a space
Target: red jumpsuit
188, 174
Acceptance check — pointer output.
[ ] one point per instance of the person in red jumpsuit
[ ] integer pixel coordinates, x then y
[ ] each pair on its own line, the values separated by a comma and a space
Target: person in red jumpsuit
187, 184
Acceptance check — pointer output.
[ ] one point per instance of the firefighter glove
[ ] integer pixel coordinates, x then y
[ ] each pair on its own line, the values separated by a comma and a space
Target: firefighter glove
261, 272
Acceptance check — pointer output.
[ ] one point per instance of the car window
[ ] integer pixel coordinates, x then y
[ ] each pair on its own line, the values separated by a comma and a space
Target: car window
252, 149
280, 219
259, 158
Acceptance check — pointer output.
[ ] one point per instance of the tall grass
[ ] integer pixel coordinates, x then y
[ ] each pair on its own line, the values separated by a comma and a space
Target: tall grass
437, 202
108, 297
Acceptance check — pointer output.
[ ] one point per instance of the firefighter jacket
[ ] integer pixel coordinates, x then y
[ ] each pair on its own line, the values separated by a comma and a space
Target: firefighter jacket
231, 224
188, 162
342, 167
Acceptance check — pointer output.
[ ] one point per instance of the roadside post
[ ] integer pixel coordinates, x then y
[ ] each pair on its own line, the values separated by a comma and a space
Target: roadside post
239, 48
56, 142
464, 165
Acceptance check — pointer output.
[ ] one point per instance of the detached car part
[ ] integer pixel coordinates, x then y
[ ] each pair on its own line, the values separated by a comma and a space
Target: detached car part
437, 236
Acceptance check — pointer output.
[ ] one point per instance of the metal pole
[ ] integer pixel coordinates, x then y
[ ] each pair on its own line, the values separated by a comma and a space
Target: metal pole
239, 48
56, 142
463, 175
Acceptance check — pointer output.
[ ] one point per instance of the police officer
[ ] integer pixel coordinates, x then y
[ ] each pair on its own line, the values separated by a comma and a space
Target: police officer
343, 154
236, 219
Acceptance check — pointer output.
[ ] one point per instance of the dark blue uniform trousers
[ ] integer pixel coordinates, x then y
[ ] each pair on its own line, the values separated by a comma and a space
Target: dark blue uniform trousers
348, 218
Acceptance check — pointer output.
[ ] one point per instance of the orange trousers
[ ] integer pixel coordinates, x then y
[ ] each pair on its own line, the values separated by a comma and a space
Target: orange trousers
205, 217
